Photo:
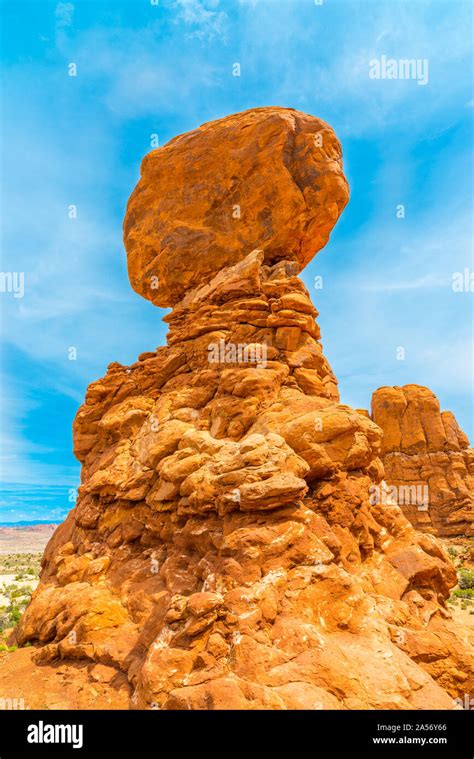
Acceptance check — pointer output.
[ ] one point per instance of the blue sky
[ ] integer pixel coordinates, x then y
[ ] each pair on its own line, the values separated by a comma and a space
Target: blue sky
163, 69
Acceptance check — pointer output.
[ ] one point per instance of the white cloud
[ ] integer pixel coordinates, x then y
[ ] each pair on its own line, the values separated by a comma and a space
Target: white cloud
64, 14
19, 459
204, 18
330, 75
420, 283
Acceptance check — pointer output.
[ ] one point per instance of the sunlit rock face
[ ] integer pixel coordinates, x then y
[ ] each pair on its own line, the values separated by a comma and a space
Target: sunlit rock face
269, 178
225, 551
427, 460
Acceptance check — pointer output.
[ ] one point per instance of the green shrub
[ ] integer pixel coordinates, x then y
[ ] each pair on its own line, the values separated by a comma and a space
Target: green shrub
466, 579
17, 593
15, 615
464, 593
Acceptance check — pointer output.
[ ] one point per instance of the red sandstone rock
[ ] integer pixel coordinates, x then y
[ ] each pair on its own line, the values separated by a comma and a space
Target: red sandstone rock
269, 178
224, 551
427, 460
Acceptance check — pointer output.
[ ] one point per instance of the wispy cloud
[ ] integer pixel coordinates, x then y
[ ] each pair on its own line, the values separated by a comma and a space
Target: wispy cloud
64, 13
21, 459
420, 283
203, 17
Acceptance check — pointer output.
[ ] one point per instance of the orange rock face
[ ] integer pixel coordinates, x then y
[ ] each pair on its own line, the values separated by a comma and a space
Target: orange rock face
269, 178
428, 463
224, 552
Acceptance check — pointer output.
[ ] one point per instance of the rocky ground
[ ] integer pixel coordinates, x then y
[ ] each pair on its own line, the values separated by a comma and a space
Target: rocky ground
59, 685
55, 686
19, 571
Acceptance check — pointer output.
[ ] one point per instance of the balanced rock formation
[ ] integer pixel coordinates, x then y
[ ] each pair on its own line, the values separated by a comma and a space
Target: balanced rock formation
427, 460
224, 551
269, 178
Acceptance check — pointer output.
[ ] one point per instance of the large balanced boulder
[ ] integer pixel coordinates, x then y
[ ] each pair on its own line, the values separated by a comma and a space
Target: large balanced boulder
269, 178
224, 551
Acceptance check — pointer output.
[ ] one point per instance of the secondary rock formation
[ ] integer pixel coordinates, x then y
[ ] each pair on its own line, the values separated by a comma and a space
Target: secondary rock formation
427, 460
224, 551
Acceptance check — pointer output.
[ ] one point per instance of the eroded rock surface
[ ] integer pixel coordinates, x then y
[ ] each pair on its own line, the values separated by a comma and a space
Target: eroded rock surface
224, 551
268, 178
427, 459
